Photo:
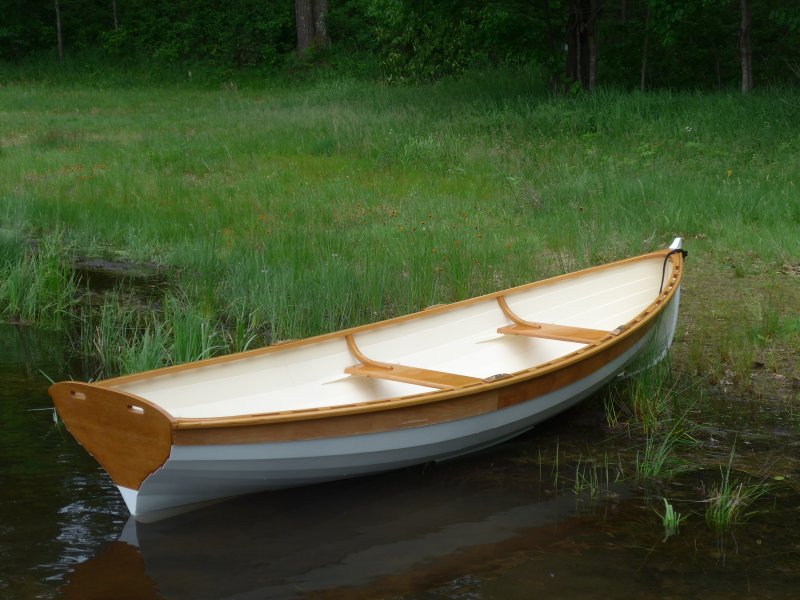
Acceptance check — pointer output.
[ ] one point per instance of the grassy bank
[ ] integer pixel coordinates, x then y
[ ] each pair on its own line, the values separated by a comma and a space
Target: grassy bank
329, 204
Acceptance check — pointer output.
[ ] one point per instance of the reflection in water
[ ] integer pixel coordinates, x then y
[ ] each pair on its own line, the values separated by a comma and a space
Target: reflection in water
487, 526
441, 532
314, 540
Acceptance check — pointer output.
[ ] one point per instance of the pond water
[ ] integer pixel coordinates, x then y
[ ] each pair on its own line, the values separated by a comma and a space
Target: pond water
495, 525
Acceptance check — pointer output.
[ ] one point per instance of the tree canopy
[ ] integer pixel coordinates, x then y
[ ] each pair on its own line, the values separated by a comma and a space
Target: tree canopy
626, 43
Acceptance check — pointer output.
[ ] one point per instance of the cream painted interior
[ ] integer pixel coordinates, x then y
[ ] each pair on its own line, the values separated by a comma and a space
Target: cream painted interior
462, 340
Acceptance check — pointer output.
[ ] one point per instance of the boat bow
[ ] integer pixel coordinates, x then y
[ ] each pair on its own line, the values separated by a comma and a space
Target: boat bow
129, 436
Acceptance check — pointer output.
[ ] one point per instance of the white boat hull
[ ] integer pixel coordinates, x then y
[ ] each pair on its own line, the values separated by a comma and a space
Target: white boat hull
423, 387
196, 475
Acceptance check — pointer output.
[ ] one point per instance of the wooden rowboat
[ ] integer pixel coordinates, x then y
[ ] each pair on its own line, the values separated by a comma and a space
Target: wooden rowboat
427, 386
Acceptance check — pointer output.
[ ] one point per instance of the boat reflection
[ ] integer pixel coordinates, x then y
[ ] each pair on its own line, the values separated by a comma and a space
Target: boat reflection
369, 533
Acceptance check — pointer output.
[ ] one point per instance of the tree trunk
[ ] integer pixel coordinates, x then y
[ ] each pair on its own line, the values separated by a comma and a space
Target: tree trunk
58, 31
304, 22
591, 43
321, 37
114, 9
746, 48
582, 43
645, 48
555, 74
573, 50
311, 20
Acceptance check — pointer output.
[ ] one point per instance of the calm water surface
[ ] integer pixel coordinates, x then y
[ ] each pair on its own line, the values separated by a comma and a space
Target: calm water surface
489, 526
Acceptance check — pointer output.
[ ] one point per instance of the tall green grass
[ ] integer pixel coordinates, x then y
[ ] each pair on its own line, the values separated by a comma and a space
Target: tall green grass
122, 336
324, 204
37, 282
729, 501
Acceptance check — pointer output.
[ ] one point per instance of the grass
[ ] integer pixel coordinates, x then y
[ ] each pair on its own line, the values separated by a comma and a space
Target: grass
287, 211
37, 284
729, 501
646, 398
658, 459
120, 336
592, 479
335, 203
671, 520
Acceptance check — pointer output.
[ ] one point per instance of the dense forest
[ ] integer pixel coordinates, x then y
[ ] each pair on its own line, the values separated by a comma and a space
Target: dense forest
704, 44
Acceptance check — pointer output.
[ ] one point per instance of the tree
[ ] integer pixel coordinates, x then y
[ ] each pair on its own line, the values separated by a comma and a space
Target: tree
582, 42
58, 31
311, 22
645, 49
746, 47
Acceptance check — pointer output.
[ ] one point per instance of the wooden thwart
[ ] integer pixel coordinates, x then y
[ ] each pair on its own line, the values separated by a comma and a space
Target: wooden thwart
416, 375
564, 333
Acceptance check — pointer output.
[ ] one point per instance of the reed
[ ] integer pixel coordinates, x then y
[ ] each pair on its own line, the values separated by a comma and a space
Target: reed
106, 333
147, 349
649, 399
194, 333
671, 520
592, 479
122, 336
38, 284
555, 470
729, 501
658, 459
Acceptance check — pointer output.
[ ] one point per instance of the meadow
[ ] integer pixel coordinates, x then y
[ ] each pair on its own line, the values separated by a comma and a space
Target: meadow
281, 210
286, 211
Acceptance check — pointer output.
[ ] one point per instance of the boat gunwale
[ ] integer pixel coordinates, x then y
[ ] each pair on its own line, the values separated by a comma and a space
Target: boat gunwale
634, 325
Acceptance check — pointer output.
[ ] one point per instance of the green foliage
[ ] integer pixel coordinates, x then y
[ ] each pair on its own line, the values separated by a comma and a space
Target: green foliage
690, 44
242, 33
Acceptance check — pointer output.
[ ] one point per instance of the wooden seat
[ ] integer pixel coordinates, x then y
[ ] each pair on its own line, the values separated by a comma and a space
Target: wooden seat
564, 333
416, 375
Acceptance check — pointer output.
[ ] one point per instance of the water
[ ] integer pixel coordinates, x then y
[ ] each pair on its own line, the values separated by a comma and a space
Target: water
488, 526
56, 506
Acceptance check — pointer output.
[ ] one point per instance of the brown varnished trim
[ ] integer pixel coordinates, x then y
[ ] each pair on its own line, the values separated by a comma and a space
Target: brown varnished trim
395, 372
550, 331
129, 436
393, 418
416, 375
514, 317
364, 360
278, 347
558, 378
633, 329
